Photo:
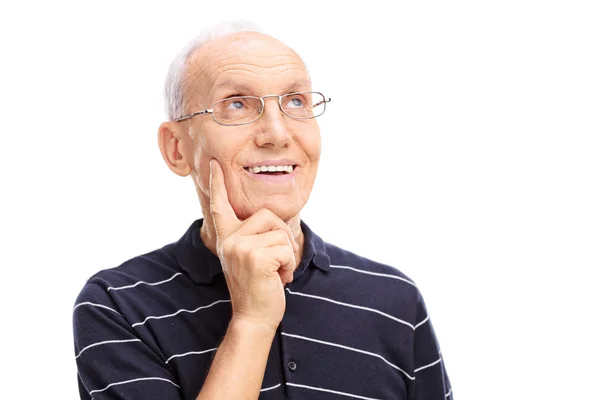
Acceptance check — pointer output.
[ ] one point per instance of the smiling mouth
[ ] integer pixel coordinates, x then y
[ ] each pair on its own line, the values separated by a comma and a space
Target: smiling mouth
271, 169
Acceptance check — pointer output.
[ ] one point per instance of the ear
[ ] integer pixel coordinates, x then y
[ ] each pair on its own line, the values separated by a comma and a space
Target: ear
172, 140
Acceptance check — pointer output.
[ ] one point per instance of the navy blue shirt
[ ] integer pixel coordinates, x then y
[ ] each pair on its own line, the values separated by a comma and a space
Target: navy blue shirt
353, 328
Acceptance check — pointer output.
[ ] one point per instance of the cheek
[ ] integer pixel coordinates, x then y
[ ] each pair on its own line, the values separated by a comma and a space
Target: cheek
312, 145
202, 151
202, 172
206, 147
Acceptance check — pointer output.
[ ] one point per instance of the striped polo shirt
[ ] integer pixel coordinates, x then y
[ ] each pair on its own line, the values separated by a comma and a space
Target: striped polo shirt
353, 328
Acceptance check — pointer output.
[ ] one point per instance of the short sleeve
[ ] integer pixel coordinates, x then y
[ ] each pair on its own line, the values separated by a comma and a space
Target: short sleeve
431, 378
112, 361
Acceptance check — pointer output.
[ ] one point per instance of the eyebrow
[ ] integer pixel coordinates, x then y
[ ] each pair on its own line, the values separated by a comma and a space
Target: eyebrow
230, 83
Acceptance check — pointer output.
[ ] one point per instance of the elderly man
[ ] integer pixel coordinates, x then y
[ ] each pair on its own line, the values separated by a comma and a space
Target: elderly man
250, 303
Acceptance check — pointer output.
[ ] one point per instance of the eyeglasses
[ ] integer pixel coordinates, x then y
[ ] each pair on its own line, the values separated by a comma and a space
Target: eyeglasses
241, 110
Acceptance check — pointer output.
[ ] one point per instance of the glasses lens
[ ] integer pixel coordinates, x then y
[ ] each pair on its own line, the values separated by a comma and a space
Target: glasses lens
303, 105
237, 110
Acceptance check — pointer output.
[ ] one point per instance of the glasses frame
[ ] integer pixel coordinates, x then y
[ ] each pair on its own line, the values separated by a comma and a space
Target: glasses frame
262, 110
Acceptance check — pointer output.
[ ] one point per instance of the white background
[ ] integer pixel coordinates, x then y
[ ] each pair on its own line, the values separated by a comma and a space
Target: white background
461, 146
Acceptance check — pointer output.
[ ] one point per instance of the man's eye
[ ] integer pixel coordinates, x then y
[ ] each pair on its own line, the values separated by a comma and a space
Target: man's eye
295, 103
238, 105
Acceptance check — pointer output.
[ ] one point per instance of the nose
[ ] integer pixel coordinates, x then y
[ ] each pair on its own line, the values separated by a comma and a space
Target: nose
273, 131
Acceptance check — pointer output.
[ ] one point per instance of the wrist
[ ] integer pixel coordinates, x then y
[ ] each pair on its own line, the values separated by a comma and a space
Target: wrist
251, 327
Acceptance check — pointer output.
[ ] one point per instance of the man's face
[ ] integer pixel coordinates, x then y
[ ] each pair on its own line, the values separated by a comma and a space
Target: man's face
252, 64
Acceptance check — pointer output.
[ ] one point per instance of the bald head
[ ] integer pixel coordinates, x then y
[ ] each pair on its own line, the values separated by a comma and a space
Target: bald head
177, 87
245, 62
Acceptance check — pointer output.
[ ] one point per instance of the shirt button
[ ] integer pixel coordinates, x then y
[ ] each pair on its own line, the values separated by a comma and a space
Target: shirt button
292, 365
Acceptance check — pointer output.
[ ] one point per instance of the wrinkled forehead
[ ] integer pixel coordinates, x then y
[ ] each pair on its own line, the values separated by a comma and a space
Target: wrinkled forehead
243, 64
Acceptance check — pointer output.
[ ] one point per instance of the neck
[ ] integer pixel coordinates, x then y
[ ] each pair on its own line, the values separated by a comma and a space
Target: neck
209, 237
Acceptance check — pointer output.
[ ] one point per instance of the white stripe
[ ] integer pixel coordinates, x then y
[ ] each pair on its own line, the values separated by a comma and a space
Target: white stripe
449, 393
179, 311
270, 388
422, 322
106, 342
87, 303
374, 273
189, 353
331, 391
144, 283
428, 365
134, 380
353, 306
352, 349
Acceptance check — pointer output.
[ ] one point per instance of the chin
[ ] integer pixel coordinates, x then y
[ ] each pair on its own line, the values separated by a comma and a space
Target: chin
285, 210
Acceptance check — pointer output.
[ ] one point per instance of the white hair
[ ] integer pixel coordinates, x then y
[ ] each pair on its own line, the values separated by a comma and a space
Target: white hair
175, 82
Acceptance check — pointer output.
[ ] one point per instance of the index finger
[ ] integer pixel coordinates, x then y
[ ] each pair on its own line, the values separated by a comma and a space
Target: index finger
224, 218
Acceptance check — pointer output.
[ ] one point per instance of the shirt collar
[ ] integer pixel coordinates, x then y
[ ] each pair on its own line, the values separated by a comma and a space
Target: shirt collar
314, 252
203, 266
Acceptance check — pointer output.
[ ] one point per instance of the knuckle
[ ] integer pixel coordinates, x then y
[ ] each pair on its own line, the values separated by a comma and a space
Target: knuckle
228, 246
243, 247
224, 247
282, 236
254, 256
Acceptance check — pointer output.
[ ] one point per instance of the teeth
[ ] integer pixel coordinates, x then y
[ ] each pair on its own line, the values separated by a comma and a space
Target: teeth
271, 168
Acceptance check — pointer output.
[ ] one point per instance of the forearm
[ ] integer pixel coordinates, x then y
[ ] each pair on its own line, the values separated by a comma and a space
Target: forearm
238, 368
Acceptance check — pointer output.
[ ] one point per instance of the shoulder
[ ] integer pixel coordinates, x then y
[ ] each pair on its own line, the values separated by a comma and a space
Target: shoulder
149, 285
128, 288
342, 257
370, 275
154, 266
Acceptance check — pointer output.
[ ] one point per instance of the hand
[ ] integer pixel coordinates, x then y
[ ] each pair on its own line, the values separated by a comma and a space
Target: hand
257, 256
